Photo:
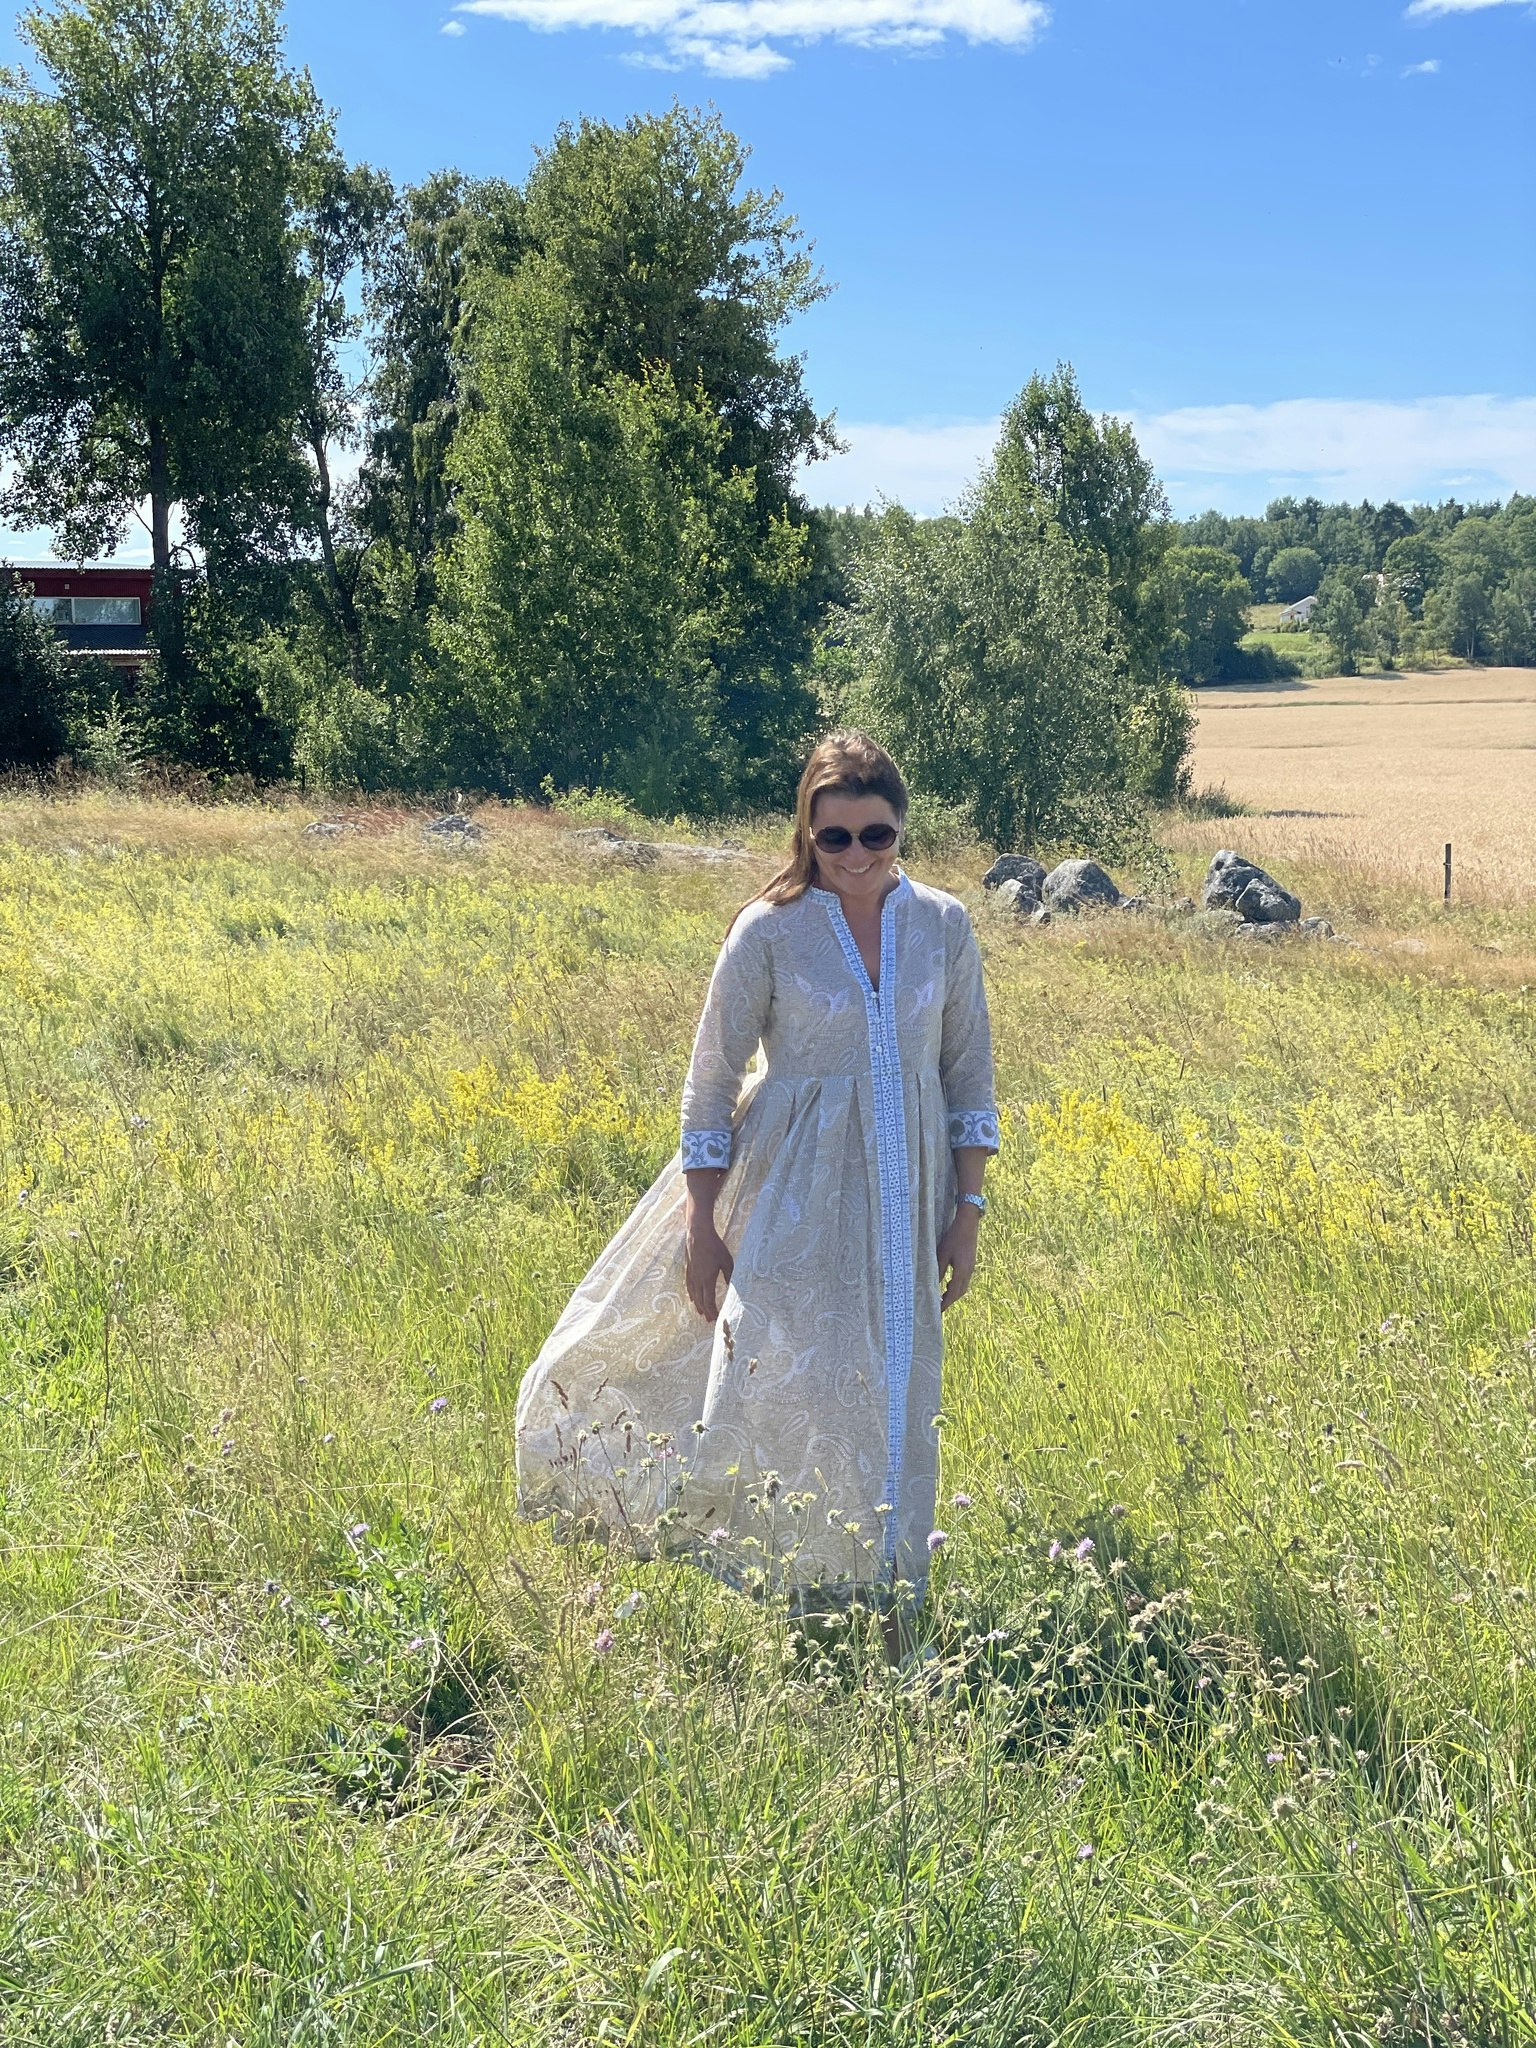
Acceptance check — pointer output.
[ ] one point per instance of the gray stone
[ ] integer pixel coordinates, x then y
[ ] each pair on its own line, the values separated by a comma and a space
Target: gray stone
1316, 928
1015, 867
1075, 885
601, 844
1018, 897
1229, 879
1040, 915
455, 830
1247, 929
326, 828
1263, 901
1139, 903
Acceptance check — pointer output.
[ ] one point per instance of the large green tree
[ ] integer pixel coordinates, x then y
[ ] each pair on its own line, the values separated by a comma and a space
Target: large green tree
988, 662
1209, 602
151, 312
631, 588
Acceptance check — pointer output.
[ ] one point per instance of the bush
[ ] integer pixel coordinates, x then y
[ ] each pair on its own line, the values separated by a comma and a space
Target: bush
45, 698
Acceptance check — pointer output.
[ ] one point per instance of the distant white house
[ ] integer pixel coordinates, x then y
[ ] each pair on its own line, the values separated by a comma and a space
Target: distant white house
1299, 613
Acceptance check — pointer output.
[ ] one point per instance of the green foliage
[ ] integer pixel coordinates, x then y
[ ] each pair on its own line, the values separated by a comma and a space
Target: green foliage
988, 664
41, 703
627, 597
151, 336
1294, 573
1339, 621
1209, 601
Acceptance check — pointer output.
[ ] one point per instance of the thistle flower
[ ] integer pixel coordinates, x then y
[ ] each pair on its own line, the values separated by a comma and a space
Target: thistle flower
1085, 1851
1054, 1552
961, 1500
1084, 1549
438, 1405
937, 1538
602, 1642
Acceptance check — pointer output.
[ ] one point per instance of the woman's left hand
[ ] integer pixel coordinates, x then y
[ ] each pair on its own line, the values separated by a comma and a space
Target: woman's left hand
957, 1254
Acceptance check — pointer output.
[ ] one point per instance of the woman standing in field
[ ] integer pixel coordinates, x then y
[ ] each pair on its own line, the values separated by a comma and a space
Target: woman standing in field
783, 1429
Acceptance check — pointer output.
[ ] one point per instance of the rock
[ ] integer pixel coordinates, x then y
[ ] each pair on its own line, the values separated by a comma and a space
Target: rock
1040, 915
1263, 901
326, 828
1251, 929
1408, 946
455, 830
1015, 867
601, 844
1017, 896
1316, 928
1135, 903
1074, 885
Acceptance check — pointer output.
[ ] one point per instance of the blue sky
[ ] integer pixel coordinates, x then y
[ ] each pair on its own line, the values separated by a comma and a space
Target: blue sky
1294, 239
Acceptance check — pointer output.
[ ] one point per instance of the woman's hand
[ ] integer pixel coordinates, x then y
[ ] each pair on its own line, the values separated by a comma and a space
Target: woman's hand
707, 1263
957, 1254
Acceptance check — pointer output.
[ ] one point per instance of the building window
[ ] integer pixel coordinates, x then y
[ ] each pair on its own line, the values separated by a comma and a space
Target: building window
89, 611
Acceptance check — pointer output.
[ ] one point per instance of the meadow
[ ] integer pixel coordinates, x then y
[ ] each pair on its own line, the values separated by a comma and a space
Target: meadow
305, 1739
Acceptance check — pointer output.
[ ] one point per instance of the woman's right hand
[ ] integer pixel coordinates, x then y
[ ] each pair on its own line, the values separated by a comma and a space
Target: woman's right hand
708, 1262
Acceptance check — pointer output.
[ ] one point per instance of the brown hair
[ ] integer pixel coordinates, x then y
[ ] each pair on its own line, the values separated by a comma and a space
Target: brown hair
843, 764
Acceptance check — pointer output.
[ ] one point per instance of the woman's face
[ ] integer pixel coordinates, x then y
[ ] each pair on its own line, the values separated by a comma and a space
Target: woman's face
855, 871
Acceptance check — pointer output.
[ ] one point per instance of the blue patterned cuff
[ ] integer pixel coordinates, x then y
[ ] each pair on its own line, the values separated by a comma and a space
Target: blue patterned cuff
968, 1127
702, 1149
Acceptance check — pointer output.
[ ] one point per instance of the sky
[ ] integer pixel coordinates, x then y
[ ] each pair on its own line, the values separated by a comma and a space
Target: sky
1293, 240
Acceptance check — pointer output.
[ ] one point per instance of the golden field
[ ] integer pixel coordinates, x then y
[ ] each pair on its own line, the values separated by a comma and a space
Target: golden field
1371, 776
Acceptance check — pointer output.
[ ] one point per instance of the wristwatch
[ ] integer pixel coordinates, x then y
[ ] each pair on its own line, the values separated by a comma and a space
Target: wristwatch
977, 1202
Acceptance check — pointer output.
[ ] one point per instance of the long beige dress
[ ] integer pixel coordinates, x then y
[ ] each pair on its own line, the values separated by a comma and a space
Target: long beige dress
793, 1441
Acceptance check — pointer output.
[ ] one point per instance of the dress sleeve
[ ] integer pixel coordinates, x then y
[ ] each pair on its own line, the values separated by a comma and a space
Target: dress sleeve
735, 1016
965, 1048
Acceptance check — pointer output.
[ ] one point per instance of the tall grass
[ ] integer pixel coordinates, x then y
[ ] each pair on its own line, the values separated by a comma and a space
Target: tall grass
303, 1738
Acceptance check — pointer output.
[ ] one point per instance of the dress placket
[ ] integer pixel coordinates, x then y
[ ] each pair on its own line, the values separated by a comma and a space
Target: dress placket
898, 1279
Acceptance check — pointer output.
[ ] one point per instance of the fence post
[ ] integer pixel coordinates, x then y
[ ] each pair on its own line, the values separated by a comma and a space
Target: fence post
1447, 871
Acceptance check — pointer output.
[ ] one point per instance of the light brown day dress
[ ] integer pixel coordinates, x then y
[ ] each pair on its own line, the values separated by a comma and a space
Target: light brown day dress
792, 1442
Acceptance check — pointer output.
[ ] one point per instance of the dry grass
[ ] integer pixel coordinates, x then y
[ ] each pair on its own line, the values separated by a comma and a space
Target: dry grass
1370, 776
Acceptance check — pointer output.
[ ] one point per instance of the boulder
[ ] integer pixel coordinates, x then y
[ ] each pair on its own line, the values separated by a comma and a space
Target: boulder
1265, 902
1015, 867
1016, 895
601, 844
1074, 885
1229, 879
1251, 929
1316, 928
455, 830
328, 828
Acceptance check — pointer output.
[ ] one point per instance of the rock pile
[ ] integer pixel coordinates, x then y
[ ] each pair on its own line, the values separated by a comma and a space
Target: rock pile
1238, 896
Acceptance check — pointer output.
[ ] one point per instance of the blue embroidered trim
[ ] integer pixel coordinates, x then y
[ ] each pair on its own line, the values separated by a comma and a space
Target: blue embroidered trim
703, 1149
895, 1181
969, 1127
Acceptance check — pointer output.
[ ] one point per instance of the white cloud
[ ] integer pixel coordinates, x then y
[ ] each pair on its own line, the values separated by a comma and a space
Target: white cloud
1235, 457
1422, 9
744, 38
1425, 70
452, 28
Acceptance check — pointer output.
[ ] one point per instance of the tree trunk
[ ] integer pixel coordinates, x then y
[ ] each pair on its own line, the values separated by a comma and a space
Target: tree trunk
159, 499
341, 595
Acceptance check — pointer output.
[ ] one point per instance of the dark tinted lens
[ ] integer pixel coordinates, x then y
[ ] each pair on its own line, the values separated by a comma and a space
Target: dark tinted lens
878, 837
833, 839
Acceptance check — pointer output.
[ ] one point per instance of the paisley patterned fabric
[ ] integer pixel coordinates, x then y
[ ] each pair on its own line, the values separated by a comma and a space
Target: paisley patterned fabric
791, 1442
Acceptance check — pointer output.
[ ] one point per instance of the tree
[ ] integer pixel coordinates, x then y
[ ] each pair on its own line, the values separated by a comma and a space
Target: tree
628, 536
1089, 476
343, 213
151, 332
1412, 567
1210, 601
1294, 573
1340, 618
589, 586
42, 700
989, 665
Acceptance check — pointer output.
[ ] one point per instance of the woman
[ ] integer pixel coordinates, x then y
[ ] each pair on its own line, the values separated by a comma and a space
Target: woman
771, 1409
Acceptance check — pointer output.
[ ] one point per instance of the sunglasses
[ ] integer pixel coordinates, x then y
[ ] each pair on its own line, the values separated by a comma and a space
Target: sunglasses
838, 839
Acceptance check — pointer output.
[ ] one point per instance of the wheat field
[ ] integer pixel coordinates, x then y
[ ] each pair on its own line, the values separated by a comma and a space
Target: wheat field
1371, 776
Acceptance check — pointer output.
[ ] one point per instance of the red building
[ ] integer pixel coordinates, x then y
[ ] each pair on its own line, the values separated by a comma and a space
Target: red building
100, 612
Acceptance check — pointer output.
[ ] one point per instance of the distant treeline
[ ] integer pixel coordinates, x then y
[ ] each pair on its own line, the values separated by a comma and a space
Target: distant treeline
497, 485
1394, 582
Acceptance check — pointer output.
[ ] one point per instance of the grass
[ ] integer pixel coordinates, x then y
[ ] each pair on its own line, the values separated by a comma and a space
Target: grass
306, 1739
